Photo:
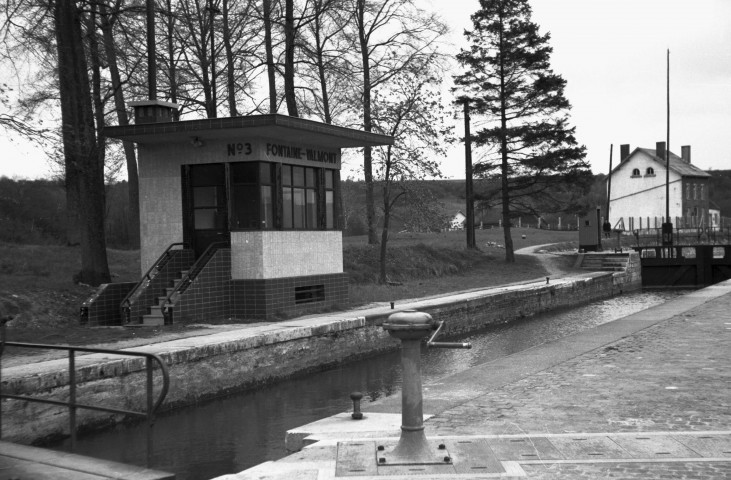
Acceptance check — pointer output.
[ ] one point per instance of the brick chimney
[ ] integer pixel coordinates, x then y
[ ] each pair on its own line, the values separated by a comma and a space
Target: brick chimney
623, 152
685, 153
660, 150
154, 111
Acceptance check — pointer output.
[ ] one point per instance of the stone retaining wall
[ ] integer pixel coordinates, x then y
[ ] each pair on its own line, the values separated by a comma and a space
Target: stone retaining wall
213, 368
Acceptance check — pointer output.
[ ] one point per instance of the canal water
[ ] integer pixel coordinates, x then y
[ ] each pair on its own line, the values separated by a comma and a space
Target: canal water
231, 434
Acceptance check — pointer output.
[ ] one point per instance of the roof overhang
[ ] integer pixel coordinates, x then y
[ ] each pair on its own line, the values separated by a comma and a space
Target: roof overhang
281, 127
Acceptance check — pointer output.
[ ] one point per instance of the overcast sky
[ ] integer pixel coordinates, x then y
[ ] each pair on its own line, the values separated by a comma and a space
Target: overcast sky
613, 55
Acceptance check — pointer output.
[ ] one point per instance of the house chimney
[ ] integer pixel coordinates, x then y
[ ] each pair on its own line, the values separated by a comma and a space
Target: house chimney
685, 153
623, 152
660, 150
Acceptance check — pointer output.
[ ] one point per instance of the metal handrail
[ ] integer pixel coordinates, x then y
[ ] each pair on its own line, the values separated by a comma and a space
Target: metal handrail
193, 272
126, 302
73, 405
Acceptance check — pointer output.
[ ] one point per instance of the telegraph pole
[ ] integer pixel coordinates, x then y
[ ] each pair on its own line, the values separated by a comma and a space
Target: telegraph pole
667, 227
469, 194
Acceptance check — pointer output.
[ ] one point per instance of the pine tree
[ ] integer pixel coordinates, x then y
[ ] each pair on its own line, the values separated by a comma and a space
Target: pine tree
523, 114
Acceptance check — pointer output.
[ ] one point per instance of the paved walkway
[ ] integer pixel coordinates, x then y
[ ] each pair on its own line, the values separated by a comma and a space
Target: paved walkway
644, 397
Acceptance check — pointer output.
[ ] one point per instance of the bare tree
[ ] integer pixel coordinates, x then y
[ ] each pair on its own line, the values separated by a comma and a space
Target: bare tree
391, 35
79, 140
411, 111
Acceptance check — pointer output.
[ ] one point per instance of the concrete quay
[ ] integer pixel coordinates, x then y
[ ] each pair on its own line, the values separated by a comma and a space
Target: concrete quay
647, 396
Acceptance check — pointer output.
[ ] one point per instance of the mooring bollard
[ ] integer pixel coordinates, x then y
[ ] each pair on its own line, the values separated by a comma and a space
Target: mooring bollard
411, 327
357, 414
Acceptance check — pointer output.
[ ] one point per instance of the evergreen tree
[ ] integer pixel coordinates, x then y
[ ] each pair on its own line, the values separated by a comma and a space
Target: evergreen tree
508, 81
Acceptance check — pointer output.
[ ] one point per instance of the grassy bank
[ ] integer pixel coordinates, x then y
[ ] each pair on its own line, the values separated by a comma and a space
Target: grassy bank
36, 285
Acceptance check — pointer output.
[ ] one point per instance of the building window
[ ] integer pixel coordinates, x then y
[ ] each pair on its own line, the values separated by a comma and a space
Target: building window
252, 206
695, 191
650, 172
687, 191
636, 172
701, 191
299, 198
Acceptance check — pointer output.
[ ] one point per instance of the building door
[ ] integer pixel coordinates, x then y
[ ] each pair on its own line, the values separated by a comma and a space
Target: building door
205, 203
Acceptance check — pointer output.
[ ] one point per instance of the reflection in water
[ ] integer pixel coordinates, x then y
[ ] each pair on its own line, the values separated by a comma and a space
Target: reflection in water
231, 434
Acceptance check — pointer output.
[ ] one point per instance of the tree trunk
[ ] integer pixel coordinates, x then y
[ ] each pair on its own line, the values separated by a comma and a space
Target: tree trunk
271, 72
289, 34
230, 81
509, 255
133, 188
321, 72
172, 74
79, 141
367, 126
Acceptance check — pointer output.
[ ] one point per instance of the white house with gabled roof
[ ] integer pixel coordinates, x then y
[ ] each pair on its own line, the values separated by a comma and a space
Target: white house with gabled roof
638, 190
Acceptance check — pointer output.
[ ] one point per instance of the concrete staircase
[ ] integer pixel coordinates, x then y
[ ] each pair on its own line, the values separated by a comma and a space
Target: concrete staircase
605, 262
154, 317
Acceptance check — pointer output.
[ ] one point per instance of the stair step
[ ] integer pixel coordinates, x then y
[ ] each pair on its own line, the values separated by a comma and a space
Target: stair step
153, 320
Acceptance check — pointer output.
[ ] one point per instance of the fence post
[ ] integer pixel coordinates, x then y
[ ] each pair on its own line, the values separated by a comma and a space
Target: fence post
72, 398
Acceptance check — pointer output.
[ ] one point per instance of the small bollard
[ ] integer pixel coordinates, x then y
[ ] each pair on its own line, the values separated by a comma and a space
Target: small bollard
392, 303
356, 397
547, 280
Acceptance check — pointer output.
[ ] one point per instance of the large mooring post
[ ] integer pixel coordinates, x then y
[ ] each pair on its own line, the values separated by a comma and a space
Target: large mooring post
411, 327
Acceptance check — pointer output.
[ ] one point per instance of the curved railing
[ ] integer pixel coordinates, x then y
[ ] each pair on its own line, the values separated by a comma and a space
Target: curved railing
73, 405
126, 303
193, 272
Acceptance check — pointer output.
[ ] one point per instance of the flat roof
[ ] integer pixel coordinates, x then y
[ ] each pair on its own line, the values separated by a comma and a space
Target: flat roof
281, 127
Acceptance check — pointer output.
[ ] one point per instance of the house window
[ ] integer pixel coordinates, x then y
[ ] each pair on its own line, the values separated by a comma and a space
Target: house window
701, 192
299, 197
650, 172
687, 191
636, 172
695, 191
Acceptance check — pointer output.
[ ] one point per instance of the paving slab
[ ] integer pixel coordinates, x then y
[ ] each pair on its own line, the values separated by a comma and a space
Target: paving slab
26, 462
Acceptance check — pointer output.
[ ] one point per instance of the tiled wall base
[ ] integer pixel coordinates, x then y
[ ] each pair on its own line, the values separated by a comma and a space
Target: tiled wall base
214, 297
102, 308
270, 298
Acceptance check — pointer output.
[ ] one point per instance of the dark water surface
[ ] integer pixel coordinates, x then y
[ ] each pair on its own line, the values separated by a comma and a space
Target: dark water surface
231, 434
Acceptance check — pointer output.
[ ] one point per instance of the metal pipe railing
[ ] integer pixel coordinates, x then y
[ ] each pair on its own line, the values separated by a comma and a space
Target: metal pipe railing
126, 302
73, 405
187, 280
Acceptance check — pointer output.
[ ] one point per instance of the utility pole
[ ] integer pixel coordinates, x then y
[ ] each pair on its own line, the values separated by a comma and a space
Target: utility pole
667, 227
469, 194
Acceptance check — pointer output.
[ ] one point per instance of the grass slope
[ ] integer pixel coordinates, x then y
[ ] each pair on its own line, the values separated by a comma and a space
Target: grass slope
36, 286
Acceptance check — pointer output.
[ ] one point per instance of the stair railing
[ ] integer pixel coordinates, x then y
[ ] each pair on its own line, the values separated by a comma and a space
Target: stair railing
126, 304
188, 279
151, 407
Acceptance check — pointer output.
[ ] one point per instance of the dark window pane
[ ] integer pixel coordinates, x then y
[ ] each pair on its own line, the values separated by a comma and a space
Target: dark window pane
267, 208
311, 209
298, 176
287, 208
299, 207
310, 177
205, 219
329, 210
245, 204
244, 172
265, 173
203, 175
286, 175
204, 197
329, 179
